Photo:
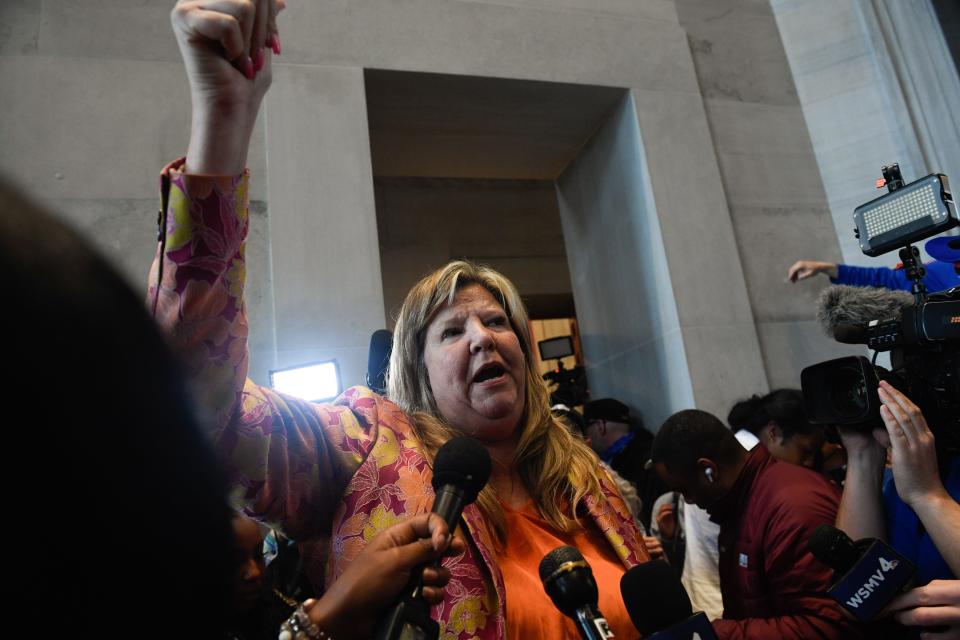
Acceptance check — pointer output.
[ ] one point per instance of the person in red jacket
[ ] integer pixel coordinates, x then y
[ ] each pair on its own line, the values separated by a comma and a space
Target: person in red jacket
772, 586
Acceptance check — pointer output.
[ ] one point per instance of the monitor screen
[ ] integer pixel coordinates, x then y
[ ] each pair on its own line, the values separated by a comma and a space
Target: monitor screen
553, 348
312, 382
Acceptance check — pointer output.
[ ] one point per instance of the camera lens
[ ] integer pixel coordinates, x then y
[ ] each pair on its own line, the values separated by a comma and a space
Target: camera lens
848, 391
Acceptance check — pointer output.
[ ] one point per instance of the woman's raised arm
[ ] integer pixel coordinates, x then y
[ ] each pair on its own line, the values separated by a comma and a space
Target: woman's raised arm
288, 460
227, 47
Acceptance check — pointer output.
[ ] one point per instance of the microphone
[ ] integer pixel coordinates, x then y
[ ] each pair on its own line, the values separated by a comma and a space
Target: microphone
378, 360
659, 605
834, 548
844, 311
871, 571
460, 470
568, 580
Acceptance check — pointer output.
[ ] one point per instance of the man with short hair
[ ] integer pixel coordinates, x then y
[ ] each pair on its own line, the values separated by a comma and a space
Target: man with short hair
609, 428
623, 443
772, 586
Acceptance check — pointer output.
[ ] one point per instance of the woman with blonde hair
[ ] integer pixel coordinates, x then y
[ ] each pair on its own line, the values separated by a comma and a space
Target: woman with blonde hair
335, 475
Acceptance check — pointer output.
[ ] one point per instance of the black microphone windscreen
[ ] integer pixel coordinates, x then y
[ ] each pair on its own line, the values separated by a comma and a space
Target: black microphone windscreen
845, 305
378, 359
462, 462
559, 556
834, 548
568, 580
654, 597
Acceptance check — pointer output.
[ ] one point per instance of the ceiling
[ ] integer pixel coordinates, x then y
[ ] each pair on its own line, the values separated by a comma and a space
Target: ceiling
447, 126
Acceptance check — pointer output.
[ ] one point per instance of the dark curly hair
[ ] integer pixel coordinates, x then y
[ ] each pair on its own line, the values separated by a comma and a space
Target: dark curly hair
783, 407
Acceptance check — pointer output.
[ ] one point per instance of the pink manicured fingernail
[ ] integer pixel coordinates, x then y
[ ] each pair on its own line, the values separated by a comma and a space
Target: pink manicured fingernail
275, 45
258, 59
248, 68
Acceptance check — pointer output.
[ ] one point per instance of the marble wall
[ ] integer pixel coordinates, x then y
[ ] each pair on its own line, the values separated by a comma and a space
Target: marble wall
630, 330
424, 223
771, 183
877, 85
87, 128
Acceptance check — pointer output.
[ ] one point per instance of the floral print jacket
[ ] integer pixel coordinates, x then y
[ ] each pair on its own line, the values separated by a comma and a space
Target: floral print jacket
329, 475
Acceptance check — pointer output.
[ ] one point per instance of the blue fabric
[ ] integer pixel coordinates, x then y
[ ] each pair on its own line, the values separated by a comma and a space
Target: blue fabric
940, 276
617, 447
907, 534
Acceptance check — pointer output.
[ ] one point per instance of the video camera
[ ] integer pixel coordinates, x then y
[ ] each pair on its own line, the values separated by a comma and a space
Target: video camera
571, 384
923, 337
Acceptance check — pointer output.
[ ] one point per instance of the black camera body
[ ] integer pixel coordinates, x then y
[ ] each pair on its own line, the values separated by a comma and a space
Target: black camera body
924, 345
571, 385
935, 321
923, 339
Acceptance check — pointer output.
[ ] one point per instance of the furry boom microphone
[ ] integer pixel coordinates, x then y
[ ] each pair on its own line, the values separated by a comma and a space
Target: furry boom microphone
844, 312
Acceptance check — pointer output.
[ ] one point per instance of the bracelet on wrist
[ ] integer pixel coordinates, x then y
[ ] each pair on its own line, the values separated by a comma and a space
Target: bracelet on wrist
299, 626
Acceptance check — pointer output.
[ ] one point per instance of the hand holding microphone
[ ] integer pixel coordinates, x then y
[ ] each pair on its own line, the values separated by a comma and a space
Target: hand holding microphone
935, 605
460, 470
380, 571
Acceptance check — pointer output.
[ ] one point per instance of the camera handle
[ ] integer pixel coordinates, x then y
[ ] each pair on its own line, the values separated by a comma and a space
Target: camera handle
909, 255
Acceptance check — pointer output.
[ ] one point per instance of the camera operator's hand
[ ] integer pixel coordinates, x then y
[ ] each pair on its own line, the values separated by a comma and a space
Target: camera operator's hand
865, 445
934, 605
352, 605
861, 506
913, 451
803, 269
916, 474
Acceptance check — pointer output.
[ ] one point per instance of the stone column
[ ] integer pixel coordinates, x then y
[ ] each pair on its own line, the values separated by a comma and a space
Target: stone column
328, 296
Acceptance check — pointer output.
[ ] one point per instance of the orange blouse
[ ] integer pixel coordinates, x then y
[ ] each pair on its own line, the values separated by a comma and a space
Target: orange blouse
530, 612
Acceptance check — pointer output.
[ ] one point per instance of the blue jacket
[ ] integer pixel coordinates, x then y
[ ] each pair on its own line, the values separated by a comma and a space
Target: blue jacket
907, 534
940, 277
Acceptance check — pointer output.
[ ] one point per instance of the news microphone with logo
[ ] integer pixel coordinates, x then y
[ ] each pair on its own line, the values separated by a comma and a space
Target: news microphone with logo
871, 573
659, 605
460, 470
568, 580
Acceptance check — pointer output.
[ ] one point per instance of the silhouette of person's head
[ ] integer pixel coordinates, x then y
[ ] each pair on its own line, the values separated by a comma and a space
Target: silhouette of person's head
116, 508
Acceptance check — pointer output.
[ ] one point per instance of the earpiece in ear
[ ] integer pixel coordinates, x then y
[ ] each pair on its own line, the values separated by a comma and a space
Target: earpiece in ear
709, 473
